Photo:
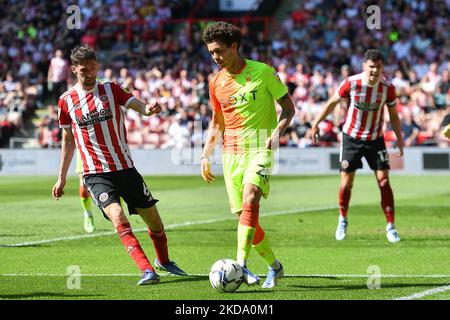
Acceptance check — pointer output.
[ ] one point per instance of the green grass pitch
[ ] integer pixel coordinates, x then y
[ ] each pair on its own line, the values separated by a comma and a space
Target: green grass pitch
300, 218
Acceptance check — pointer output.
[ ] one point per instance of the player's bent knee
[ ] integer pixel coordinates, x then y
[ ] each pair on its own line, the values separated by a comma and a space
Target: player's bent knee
251, 199
115, 213
156, 227
118, 220
157, 224
347, 186
252, 195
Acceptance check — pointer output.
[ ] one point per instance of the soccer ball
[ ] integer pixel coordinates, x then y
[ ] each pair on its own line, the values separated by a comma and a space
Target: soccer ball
226, 275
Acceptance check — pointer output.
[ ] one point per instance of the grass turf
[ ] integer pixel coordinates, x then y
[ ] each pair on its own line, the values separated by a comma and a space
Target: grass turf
296, 218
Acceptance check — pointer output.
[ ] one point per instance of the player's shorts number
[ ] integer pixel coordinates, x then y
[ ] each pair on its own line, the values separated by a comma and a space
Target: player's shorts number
383, 155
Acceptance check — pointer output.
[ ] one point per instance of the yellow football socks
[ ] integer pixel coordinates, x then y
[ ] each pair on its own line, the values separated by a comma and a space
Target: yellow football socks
265, 251
245, 239
86, 205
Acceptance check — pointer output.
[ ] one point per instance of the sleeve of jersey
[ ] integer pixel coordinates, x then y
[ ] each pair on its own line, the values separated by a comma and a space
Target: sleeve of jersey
391, 96
63, 114
276, 87
123, 97
212, 97
344, 89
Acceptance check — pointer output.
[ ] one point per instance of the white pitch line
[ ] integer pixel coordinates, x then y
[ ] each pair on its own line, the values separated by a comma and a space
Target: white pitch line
205, 275
168, 227
367, 275
425, 293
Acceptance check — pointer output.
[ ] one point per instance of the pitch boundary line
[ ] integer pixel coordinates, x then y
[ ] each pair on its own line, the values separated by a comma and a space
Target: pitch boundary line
168, 227
261, 275
425, 293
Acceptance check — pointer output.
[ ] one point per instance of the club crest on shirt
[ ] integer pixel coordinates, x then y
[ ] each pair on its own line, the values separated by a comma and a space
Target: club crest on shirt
105, 101
248, 77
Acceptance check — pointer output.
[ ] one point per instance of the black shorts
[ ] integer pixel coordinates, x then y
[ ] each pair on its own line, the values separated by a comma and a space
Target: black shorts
353, 150
107, 188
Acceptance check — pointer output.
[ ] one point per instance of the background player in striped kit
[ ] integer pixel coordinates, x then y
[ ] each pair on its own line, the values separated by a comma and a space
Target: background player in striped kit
362, 136
90, 114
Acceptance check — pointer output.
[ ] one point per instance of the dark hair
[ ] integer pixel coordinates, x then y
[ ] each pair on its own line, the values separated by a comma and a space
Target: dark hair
222, 32
374, 55
82, 53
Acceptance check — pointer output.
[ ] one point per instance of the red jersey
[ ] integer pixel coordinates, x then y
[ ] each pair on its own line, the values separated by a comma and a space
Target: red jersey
364, 118
97, 122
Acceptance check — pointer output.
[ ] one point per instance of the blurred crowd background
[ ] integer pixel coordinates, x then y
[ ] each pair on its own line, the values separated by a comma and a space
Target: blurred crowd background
154, 48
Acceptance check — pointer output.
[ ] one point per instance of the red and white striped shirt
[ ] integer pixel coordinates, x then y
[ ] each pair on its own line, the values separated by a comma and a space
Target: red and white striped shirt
365, 113
97, 122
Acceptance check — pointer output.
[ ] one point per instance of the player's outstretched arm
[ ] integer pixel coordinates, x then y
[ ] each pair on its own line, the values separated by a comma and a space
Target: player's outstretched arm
215, 131
395, 123
143, 108
287, 113
67, 150
327, 109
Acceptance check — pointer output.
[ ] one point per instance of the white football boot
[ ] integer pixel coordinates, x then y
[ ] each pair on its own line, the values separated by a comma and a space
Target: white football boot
391, 233
250, 279
341, 230
88, 223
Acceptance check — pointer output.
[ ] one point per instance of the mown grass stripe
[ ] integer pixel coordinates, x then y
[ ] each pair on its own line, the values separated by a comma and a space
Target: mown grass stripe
439, 276
168, 227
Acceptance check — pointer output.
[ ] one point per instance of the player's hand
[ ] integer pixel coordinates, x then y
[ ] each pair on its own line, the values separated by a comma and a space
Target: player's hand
58, 189
273, 142
152, 108
315, 136
400, 148
206, 170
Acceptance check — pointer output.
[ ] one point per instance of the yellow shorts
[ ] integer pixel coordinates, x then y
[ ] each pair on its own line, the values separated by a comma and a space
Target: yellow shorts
253, 167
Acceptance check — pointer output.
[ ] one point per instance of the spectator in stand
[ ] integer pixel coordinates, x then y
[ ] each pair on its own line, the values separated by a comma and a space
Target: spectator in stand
177, 66
7, 129
398, 81
301, 133
58, 73
120, 51
410, 129
178, 133
49, 131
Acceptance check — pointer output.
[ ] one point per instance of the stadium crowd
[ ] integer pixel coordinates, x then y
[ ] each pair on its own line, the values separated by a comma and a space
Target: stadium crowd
320, 43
